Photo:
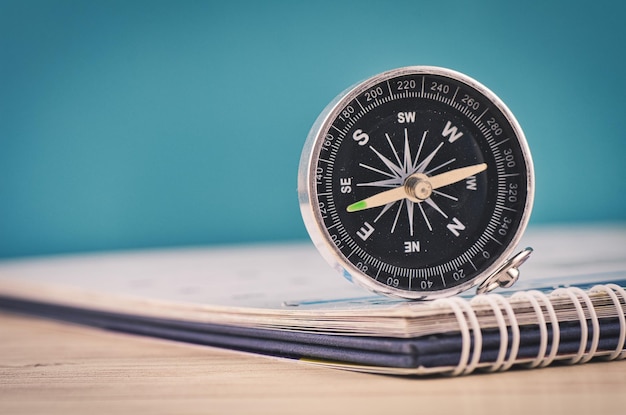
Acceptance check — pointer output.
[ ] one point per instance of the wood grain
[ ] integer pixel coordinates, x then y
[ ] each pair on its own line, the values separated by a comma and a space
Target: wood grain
57, 368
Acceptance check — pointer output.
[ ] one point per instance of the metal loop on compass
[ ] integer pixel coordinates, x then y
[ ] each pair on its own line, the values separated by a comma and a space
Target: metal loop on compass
506, 275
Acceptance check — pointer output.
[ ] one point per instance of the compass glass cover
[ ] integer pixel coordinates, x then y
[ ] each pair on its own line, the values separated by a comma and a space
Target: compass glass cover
416, 181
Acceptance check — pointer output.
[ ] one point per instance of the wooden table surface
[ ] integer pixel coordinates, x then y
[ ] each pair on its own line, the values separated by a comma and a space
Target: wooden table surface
56, 368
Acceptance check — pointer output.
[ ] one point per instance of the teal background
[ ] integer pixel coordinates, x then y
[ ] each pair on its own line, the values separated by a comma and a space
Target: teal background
132, 124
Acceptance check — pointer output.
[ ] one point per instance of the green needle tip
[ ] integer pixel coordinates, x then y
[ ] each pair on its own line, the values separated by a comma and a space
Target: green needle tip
357, 206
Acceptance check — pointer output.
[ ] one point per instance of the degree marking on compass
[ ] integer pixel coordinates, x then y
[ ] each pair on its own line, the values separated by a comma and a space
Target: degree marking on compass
352, 252
510, 175
360, 105
494, 239
423, 78
472, 264
336, 128
480, 116
325, 161
389, 86
502, 142
454, 96
443, 280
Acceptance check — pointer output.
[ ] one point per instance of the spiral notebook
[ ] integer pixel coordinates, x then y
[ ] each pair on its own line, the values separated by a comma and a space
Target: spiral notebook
282, 300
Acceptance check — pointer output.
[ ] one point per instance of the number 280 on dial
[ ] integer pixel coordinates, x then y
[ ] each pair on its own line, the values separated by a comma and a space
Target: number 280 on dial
417, 183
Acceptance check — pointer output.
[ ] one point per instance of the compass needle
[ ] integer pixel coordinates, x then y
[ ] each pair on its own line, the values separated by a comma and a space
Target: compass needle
379, 199
423, 192
456, 175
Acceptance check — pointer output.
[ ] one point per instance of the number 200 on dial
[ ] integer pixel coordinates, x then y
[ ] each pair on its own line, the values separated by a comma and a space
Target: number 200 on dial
417, 182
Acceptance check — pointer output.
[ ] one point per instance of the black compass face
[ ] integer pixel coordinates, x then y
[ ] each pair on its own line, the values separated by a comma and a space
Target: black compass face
418, 182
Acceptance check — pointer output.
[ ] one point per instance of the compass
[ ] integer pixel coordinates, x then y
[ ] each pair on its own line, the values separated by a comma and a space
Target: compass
418, 183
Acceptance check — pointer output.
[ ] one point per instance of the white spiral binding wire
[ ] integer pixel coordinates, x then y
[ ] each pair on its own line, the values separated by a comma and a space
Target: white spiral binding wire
515, 333
467, 320
610, 289
478, 337
584, 329
463, 328
556, 329
493, 300
541, 321
504, 337
459, 307
595, 339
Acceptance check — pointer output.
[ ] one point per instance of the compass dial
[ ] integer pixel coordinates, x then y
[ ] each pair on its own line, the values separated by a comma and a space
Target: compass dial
416, 182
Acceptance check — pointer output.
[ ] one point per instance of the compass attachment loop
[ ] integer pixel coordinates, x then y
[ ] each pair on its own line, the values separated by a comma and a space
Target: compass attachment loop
506, 275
